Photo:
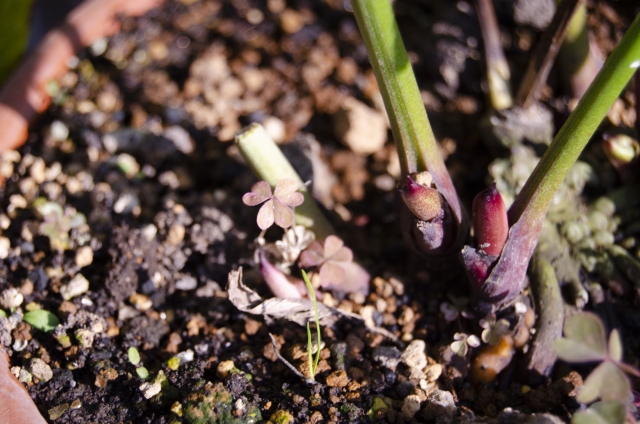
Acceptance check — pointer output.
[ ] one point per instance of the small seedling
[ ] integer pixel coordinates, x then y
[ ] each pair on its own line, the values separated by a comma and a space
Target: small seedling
133, 355
494, 329
313, 364
585, 341
142, 372
42, 320
462, 342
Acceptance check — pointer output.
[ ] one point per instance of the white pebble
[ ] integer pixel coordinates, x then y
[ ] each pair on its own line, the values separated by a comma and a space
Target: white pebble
149, 390
77, 286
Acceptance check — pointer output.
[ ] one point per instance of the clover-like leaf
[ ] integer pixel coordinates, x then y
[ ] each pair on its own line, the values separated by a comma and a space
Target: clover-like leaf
42, 320
331, 257
462, 342
584, 339
601, 413
606, 382
278, 206
260, 192
493, 329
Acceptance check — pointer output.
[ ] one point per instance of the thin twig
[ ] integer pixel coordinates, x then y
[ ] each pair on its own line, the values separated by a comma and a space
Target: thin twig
288, 364
498, 74
545, 54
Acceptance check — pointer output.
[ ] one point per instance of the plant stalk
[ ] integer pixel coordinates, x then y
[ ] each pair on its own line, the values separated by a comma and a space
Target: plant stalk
527, 213
412, 132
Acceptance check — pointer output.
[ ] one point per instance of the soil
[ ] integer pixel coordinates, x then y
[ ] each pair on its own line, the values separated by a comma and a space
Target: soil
139, 141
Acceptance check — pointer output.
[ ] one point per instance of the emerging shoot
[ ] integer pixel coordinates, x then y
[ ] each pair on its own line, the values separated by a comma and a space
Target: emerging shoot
313, 364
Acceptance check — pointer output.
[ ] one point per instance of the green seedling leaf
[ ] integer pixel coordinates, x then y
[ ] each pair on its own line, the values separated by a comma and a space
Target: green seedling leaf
142, 373
42, 320
584, 339
606, 382
134, 355
3, 313
601, 413
615, 346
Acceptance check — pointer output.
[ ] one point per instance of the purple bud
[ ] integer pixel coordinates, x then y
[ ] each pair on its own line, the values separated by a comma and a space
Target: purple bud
490, 222
424, 202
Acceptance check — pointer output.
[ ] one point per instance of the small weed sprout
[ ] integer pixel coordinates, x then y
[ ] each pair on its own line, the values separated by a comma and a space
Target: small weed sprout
462, 342
313, 364
585, 341
493, 329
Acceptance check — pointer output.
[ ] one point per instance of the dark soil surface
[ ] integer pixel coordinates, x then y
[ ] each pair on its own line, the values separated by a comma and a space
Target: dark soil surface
139, 141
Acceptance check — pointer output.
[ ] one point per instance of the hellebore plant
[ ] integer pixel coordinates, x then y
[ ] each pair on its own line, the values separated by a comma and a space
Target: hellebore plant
497, 264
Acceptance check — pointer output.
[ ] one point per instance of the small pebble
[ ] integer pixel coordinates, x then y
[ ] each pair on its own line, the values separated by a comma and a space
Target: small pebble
337, 378
57, 411
84, 256
58, 131
40, 370
414, 356
176, 234
11, 298
410, 406
181, 139
18, 201
77, 286
438, 403
224, 368
141, 302
149, 390
186, 283
388, 357
5, 245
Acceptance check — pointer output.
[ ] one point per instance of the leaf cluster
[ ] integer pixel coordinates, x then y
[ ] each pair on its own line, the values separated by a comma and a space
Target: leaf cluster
585, 341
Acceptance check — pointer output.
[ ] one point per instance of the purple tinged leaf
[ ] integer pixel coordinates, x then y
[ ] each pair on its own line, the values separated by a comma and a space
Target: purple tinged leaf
335, 250
332, 245
277, 281
490, 222
260, 192
606, 382
331, 274
424, 202
356, 279
266, 215
286, 192
312, 255
615, 346
283, 215
584, 339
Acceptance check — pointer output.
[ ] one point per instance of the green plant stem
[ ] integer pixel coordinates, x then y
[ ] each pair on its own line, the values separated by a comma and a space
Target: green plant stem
313, 365
412, 132
269, 164
532, 202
